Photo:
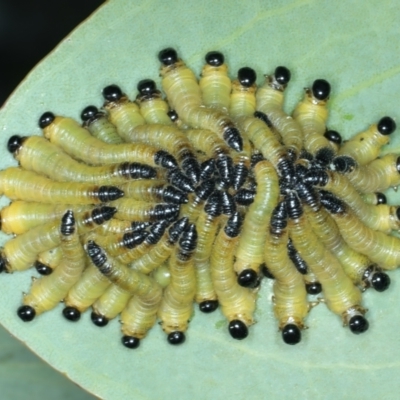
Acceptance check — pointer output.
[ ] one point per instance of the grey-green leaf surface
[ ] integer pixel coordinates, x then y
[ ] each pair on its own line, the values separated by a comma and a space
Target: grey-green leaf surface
354, 45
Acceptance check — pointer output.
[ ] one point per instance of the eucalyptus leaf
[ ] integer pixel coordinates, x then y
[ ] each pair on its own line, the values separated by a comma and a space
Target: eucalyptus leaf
352, 44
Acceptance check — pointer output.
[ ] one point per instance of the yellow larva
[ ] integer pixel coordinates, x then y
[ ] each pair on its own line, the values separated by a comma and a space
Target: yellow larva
122, 113
378, 246
207, 227
382, 217
37, 154
376, 176
290, 296
141, 312
366, 146
80, 144
21, 252
19, 184
340, 294
311, 114
184, 96
46, 292
48, 260
21, 216
153, 107
177, 303
250, 251
243, 95
99, 126
270, 97
215, 84
237, 303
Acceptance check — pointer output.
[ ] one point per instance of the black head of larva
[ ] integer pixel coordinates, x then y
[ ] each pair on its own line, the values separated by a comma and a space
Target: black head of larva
98, 320
291, 334
238, 329
247, 76
321, 89
313, 288
168, 56
386, 126
176, 337
333, 136
146, 87
214, 58
208, 306
173, 115
112, 93
90, 113
26, 313
248, 278
14, 143
43, 269
381, 199
380, 281
282, 75
46, 119
130, 342
358, 324
71, 314
266, 272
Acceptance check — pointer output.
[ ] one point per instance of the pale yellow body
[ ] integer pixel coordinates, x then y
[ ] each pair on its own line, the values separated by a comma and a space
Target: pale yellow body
124, 115
250, 251
365, 146
376, 176
215, 86
270, 102
88, 289
380, 217
340, 294
207, 227
101, 128
176, 307
21, 216
312, 114
236, 302
243, 100
154, 110
290, 296
46, 292
80, 144
19, 184
39, 155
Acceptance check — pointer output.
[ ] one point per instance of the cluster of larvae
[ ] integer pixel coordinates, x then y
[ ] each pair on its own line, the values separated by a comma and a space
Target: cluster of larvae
152, 205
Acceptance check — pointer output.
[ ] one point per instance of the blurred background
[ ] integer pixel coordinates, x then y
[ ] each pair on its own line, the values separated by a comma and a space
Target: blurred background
29, 30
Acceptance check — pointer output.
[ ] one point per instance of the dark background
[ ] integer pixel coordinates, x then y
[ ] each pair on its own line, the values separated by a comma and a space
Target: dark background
30, 29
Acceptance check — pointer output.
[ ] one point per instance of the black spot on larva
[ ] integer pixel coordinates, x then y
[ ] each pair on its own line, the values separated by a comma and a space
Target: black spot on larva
68, 223
233, 225
245, 197
266, 272
177, 178
264, 118
109, 193
177, 228
103, 214
133, 239
141, 171
232, 136
173, 195
165, 160
207, 169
